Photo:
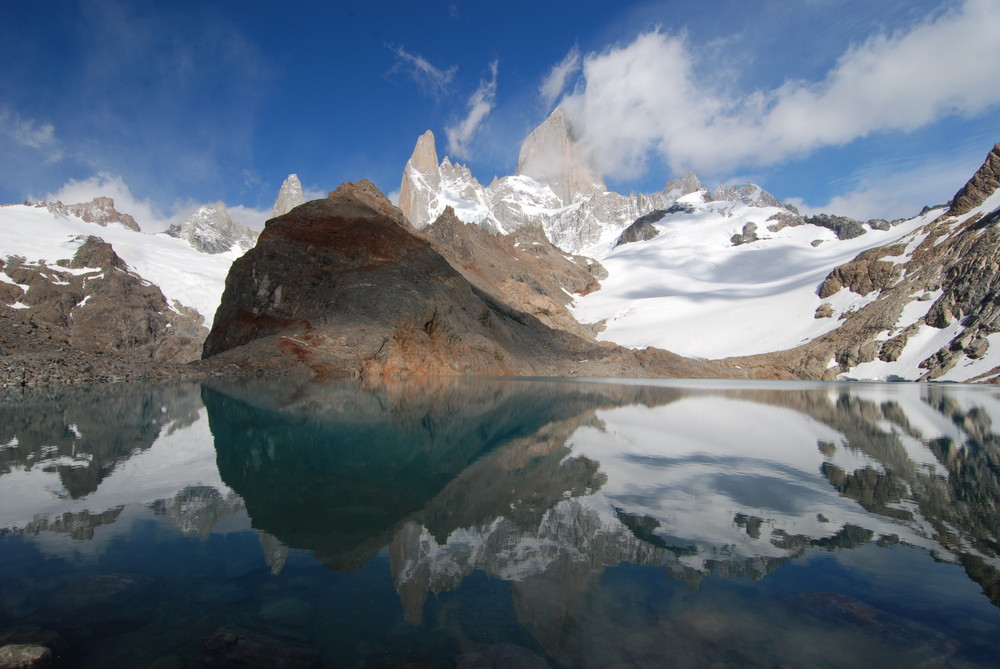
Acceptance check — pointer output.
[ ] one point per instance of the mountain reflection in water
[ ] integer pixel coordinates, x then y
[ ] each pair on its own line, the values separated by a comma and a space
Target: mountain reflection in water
643, 524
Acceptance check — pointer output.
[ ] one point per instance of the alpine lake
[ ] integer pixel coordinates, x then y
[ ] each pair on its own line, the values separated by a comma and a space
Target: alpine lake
475, 522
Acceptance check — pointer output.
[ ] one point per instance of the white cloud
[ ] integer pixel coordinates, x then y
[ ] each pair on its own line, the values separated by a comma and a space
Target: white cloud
645, 98
480, 104
555, 81
432, 80
145, 213
248, 216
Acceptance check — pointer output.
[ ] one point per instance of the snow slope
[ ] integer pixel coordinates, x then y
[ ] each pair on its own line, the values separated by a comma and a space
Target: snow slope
192, 278
691, 291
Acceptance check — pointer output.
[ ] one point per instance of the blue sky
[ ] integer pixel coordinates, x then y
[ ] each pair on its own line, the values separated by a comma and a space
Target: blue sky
856, 107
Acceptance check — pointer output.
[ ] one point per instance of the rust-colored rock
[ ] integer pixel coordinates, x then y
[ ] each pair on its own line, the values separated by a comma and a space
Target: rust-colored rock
343, 286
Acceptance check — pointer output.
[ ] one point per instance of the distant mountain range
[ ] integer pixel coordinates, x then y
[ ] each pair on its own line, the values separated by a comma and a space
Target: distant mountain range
557, 271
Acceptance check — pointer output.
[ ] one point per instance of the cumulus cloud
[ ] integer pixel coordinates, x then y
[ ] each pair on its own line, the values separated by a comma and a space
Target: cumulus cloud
432, 80
480, 104
555, 81
645, 98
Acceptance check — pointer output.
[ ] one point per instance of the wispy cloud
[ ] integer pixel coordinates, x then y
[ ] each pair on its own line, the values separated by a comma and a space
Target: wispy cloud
480, 104
889, 193
555, 81
30, 133
645, 98
432, 80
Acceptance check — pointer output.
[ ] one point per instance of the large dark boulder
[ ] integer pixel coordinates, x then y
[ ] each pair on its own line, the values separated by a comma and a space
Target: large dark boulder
345, 287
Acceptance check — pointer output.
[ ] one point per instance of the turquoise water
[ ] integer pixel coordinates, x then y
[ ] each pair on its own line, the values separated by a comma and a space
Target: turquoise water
488, 522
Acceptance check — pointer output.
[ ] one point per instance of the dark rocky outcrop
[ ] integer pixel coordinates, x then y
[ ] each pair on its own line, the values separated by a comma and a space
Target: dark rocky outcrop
842, 226
643, 229
784, 219
983, 184
747, 236
867, 272
344, 286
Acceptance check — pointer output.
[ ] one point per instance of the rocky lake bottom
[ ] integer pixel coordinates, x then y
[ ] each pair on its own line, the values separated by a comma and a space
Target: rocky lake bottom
473, 522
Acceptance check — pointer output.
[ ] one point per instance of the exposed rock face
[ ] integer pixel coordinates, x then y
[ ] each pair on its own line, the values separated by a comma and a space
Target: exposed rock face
843, 227
951, 264
289, 197
100, 210
751, 194
865, 273
94, 303
211, 230
522, 269
550, 156
985, 182
421, 180
746, 236
643, 229
335, 287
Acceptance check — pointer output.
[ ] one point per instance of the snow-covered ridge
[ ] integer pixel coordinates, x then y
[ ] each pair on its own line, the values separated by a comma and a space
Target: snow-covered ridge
193, 278
692, 291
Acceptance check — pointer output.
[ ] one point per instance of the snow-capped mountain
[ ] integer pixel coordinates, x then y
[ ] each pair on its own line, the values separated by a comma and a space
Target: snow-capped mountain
554, 189
912, 300
692, 290
211, 230
185, 275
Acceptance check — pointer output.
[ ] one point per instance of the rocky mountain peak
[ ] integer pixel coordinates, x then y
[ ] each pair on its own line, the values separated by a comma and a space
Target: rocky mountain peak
100, 210
365, 199
689, 183
983, 183
551, 156
421, 178
750, 194
289, 196
210, 229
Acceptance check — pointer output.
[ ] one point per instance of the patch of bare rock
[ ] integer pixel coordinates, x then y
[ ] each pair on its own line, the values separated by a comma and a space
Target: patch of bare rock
88, 319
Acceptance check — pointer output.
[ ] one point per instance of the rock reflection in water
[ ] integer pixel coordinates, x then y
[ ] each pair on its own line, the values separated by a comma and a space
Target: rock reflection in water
549, 485
706, 522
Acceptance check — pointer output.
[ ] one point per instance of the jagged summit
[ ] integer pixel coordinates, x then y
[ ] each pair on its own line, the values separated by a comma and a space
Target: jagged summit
554, 189
421, 178
750, 194
983, 183
550, 155
100, 210
289, 196
210, 229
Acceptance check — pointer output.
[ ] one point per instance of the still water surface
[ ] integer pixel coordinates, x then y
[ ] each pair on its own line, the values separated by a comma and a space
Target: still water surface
477, 522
